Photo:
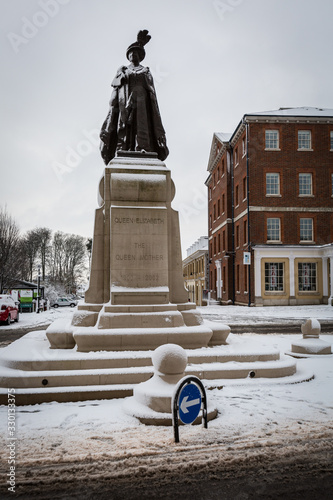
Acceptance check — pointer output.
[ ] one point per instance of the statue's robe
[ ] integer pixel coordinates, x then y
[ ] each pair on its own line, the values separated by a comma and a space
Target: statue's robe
133, 122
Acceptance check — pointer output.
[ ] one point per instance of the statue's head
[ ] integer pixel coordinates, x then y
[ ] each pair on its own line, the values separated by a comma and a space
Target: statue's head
135, 47
138, 46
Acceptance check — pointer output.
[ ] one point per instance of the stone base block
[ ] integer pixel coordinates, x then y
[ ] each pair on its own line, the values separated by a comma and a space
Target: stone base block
60, 335
220, 333
148, 416
312, 346
140, 339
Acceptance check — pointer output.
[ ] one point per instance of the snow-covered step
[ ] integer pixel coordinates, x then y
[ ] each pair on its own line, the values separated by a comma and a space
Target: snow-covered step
31, 396
134, 375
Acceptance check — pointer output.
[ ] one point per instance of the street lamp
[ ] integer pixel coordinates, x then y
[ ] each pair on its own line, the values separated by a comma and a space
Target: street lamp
38, 285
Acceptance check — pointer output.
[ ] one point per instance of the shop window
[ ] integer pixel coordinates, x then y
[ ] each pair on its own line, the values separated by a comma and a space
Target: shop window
274, 276
307, 277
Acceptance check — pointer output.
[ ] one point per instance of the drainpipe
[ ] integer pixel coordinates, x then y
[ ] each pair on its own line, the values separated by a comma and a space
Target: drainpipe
232, 223
248, 209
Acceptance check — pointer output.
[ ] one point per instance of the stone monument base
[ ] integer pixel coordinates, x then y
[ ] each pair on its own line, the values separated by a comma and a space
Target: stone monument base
40, 374
135, 327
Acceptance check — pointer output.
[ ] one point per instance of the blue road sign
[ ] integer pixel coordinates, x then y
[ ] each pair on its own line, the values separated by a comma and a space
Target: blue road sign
189, 403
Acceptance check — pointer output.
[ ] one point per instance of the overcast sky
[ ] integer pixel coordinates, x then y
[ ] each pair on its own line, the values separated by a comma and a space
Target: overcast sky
212, 61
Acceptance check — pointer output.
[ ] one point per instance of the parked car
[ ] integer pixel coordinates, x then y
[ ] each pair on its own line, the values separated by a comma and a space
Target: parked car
9, 309
64, 301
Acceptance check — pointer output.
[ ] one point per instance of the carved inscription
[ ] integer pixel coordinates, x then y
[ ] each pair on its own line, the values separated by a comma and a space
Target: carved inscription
139, 256
138, 220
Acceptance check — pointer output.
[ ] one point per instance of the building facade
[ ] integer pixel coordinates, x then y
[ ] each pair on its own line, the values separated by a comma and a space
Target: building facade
195, 271
270, 207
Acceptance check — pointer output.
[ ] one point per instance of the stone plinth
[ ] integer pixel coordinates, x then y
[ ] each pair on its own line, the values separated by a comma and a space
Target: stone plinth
136, 298
136, 255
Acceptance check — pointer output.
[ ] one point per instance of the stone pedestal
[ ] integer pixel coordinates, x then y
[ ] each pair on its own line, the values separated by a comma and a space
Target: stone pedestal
136, 297
136, 248
310, 344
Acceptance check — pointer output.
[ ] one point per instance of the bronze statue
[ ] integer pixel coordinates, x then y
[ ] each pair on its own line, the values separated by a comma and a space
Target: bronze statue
134, 121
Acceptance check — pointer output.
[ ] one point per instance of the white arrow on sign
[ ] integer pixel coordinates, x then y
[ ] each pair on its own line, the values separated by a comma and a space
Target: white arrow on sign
186, 404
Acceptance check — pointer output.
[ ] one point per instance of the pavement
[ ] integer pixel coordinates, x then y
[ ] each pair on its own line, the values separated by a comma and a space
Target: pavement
277, 320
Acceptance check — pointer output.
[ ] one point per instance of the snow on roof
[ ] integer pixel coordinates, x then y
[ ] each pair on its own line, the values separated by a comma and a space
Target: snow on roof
302, 111
223, 136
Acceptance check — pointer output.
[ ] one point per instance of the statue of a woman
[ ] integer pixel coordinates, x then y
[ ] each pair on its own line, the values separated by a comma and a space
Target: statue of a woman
134, 121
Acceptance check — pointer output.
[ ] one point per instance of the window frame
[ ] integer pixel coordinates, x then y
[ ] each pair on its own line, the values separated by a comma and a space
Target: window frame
302, 220
313, 276
236, 195
271, 229
244, 187
271, 184
243, 147
269, 141
300, 140
305, 174
280, 277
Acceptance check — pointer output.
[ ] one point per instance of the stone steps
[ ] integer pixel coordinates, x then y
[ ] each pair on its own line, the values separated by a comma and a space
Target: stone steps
40, 374
131, 375
84, 361
61, 385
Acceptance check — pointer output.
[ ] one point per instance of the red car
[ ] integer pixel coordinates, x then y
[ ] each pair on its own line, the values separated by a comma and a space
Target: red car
9, 310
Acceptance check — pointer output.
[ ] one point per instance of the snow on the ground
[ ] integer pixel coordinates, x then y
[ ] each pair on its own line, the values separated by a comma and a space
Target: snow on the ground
76, 442
226, 314
267, 314
57, 432
34, 320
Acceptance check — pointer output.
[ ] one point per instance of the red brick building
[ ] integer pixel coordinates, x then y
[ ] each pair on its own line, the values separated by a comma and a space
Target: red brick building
270, 207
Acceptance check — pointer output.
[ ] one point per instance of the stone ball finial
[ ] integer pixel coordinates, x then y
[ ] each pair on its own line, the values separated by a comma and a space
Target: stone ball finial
311, 328
169, 359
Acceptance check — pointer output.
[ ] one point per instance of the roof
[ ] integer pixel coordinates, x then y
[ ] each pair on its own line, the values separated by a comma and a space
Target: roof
303, 111
223, 136
22, 284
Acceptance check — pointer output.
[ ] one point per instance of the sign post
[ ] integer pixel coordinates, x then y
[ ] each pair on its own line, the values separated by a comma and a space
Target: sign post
188, 399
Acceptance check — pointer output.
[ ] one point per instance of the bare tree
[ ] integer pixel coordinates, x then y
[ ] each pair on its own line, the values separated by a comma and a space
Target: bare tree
44, 235
31, 245
89, 243
67, 259
10, 248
